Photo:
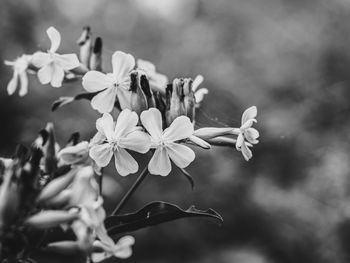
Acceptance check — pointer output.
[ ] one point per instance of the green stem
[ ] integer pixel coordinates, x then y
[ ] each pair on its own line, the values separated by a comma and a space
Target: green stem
127, 196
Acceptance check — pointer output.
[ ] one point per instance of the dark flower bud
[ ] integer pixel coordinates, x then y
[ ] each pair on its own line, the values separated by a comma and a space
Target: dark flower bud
84, 42
96, 55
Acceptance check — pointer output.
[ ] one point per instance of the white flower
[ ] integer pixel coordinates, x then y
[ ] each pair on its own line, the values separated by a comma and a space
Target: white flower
116, 139
199, 93
246, 132
165, 142
20, 66
122, 249
156, 80
111, 84
51, 64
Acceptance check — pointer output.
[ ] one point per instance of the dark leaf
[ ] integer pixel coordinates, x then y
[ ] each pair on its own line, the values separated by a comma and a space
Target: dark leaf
67, 100
153, 214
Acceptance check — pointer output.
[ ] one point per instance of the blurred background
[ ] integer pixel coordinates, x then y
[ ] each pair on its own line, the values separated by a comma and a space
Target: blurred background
291, 59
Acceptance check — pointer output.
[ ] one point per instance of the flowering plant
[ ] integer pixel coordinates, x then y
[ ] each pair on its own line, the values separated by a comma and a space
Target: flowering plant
48, 186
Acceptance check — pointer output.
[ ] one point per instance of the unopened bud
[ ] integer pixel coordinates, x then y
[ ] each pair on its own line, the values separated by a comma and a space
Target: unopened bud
212, 132
222, 141
96, 55
138, 99
198, 141
51, 218
64, 247
84, 42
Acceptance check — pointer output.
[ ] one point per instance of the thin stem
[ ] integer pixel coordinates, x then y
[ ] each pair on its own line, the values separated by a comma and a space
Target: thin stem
127, 196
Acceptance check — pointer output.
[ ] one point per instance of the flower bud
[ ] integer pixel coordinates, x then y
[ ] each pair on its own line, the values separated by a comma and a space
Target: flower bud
180, 100
51, 218
96, 56
64, 247
212, 132
222, 141
84, 42
198, 141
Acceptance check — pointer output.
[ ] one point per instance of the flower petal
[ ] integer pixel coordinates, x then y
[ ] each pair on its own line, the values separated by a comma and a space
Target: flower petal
146, 66
160, 162
124, 162
137, 141
94, 81
181, 155
105, 125
126, 122
67, 61
24, 84
123, 247
41, 59
251, 135
199, 94
240, 141
104, 101
248, 114
122, 64
196, 82
247, 153
55, 38
101, 154
57, 76
12, 85
152, 121
45, 73
180, 128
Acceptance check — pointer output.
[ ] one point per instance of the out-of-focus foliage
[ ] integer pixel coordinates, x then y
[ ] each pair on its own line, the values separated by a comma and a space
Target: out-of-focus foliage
291, 59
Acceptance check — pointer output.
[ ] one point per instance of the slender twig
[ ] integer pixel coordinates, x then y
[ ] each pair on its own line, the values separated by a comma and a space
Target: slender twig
126, 197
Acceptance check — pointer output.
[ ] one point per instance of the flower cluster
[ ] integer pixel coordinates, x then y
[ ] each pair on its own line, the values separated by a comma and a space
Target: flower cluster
141, 111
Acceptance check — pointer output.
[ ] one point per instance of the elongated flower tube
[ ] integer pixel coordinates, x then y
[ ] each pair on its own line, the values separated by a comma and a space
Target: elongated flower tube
115, 139
109, 85
19, 66
166, 143
51, 64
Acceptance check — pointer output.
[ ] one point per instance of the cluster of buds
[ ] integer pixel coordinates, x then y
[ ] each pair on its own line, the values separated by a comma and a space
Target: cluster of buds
46, 188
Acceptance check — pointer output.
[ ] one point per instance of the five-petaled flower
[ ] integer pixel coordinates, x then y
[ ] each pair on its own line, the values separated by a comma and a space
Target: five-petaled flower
51, 64
246, 132
110, 85
166, 142
116, 138
20, 66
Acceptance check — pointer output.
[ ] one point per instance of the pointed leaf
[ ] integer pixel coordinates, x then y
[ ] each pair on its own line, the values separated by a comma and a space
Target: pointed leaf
153, 214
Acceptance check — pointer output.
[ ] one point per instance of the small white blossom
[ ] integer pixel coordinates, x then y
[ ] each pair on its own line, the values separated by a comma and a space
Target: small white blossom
122, 249
19, 66
157, 81
111, 84
247, 136
51, 64
115, 139
165, 142
199, 93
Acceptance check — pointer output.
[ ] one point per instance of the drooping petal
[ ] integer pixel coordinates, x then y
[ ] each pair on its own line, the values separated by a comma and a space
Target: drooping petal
180, 128
160, 162
55, 38
57, 76
67, 61
104, 101
24, 84
124, 162
137, 141
105, 125
181, 155
12, 85
199, 94
146, 65
249, 113
94, 81
122, 64
247, 124
247, 153
101, 154
41, 59
251, 135
126, 122
240, 141
123, 247
152, 121
45, 74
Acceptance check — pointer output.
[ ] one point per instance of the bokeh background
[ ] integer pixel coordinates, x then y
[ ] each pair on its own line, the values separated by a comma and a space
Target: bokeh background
291, 59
